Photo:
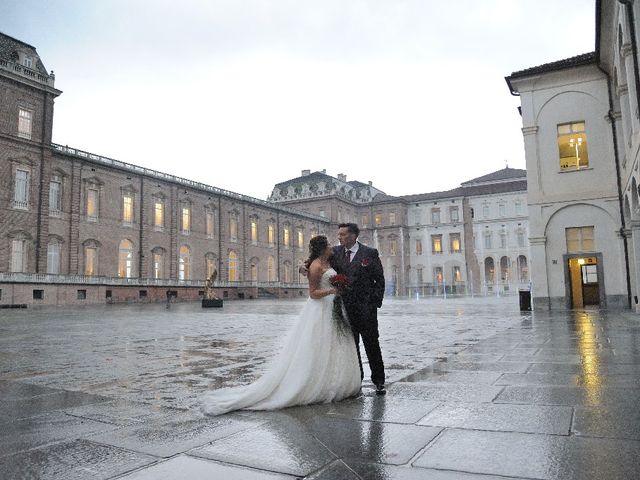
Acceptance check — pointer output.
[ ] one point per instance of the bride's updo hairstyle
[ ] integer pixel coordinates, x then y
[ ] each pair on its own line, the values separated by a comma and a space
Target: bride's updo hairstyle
317, 246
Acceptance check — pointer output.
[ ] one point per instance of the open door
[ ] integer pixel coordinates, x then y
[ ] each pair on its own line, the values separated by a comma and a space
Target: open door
583, 274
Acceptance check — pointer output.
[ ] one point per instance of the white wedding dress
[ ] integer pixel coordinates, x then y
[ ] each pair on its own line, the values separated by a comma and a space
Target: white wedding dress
318, 363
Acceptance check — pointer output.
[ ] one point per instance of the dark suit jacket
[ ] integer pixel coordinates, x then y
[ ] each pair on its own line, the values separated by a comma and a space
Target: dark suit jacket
365, 273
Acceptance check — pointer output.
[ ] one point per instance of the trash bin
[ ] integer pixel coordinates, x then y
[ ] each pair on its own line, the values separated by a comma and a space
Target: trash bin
525, 300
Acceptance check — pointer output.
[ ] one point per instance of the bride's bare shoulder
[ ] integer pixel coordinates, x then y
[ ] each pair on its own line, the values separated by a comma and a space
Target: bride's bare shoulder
316, 267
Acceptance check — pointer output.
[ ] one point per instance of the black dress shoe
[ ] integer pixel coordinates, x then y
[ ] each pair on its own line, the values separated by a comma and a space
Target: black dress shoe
380, 390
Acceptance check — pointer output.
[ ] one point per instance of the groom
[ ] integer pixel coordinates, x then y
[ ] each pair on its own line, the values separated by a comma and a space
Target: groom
364, 296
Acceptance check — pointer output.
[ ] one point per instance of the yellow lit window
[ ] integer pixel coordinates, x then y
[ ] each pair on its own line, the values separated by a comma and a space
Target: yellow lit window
158, 215
378, 219
285, 236
209, 224
254, 232
300, 239
436, 243
127, 208
271, 234
572, 146
455, 242
186, 219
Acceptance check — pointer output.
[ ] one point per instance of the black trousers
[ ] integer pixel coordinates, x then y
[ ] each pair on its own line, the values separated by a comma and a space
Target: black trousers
364, 324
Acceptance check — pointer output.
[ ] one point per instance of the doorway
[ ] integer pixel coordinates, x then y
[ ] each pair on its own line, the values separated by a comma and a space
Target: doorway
584, 280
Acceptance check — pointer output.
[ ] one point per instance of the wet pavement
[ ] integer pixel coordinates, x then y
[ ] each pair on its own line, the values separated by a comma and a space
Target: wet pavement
476, 390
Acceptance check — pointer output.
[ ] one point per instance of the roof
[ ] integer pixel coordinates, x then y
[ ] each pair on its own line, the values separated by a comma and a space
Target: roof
422, 197
492, 188
10, 46
317, 176
500, 175
571, 62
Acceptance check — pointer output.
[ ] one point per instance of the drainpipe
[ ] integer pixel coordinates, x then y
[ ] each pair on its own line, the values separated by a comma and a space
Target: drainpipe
634, 46
616, 157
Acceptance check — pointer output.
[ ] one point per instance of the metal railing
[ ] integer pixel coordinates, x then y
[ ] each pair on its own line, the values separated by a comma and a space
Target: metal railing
48, 278
182, 181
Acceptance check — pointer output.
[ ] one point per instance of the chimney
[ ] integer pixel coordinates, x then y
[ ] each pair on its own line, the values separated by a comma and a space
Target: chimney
342, 177
370, 183
324, 170
305, 173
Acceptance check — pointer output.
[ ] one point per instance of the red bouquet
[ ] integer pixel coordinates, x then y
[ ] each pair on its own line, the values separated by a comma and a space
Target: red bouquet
340, 281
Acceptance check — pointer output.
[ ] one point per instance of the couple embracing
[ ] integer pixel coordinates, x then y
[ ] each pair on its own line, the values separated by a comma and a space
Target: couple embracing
320, 361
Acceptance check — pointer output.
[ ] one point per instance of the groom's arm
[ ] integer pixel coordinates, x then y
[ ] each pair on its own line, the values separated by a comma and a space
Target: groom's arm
377, 275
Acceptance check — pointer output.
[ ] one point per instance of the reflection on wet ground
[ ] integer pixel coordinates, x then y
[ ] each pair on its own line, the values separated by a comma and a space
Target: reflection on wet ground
476, 390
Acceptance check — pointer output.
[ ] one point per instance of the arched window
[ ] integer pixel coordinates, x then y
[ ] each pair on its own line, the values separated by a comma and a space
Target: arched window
271, 269
233, 266
157, 259
90, 257
287, 272
125, 259
210, 263
523, 269
253, 269
489, 270
504, 269
53, 257
184, 263
19, 252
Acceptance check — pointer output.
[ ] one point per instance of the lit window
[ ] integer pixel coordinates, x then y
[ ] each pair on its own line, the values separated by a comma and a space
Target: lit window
453, 213
25, 118
285, 236
21, 190
92, 205
418, 246
233, 266
436, 244
55, 196
572, 146
378, 219
579, 239
454, 242
300, 239
254, 232
435, 215
185, 221
127, 209
209, 223
392, 218
271, 234
184, 263
158, 216
53, 258
125, 259
90, 258
18, 255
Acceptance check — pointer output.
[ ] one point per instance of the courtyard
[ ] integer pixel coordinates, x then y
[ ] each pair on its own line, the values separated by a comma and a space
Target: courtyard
476, 390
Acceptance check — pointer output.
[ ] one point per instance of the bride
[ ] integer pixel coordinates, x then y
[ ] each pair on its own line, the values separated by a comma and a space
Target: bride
318, 361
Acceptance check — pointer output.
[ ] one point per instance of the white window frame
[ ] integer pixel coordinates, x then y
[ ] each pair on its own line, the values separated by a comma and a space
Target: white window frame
25, 123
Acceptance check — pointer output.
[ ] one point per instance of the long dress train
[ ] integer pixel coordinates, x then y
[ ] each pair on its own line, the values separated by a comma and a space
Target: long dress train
318, 363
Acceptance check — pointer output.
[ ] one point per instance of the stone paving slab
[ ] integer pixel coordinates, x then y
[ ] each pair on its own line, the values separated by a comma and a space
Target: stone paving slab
281, 445
36, 405
533, 456
191, 468
377, 409
459, 365
560, 395
120, 412
444, 392
74, 460
168, 436
621, 421
456, 377
28, 433
507, 418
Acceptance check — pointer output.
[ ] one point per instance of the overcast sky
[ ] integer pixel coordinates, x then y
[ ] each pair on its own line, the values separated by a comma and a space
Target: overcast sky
244, 94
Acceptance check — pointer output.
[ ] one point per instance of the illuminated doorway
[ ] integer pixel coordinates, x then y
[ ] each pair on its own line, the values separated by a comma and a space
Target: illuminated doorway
585, 285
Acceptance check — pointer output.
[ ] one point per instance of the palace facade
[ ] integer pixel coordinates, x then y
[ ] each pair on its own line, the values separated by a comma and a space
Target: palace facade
77, 227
